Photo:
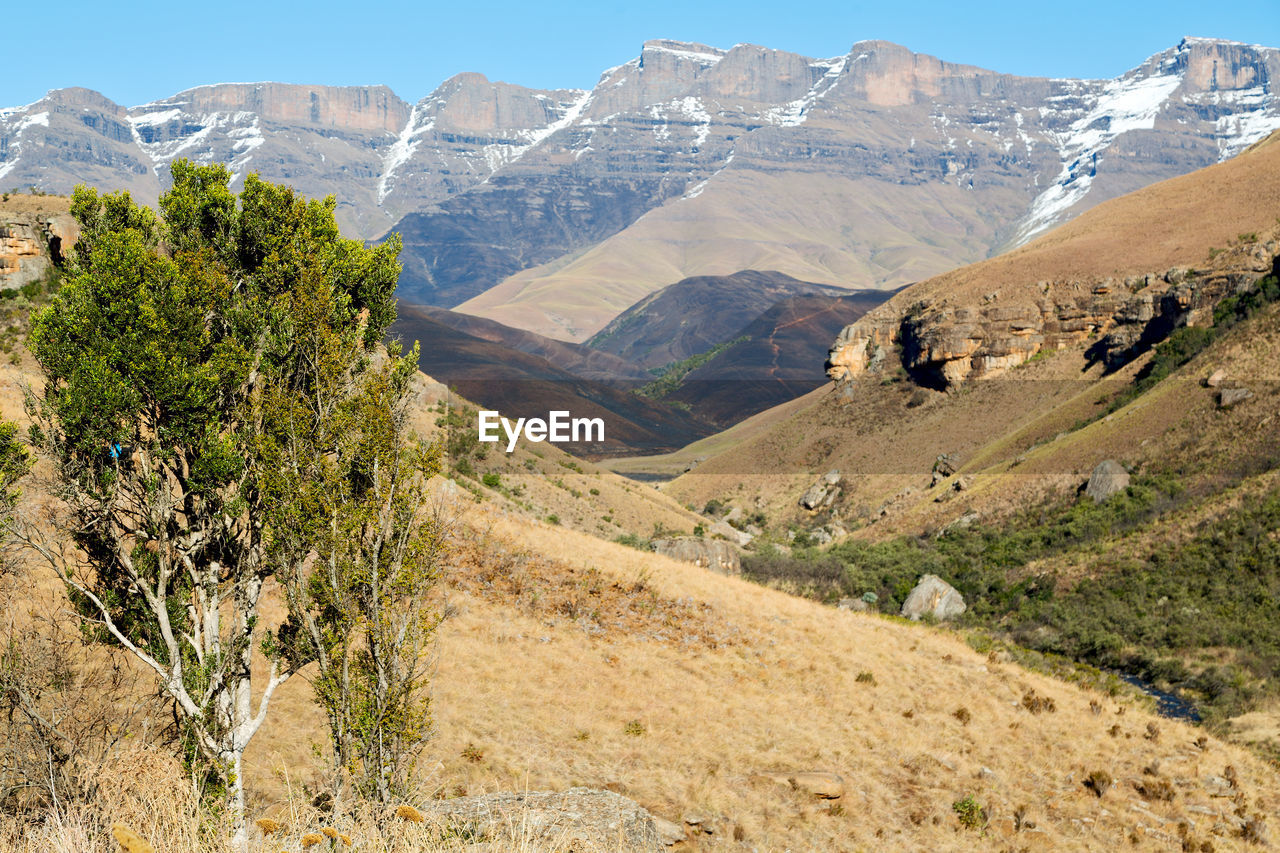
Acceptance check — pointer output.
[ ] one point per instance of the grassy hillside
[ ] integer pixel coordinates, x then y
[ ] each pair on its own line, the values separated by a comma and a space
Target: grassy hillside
567, 660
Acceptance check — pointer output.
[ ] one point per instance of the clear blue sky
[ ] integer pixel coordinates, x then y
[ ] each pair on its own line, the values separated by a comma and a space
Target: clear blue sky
137, 52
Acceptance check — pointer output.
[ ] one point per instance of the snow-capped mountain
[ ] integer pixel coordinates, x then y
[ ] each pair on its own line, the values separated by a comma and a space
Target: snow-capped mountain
870, 169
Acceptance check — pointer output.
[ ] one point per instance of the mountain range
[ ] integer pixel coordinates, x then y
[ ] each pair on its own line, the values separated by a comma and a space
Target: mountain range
555, 210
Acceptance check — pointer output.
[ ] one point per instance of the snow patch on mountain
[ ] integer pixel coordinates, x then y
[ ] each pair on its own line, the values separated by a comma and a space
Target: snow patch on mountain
1126, 103
694, 53
794, 113
402, 149
31, 120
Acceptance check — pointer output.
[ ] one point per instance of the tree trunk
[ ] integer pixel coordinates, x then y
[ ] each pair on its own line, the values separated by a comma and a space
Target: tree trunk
235, 803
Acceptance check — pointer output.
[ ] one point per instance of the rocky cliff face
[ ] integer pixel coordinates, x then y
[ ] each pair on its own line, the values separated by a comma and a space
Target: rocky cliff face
943, 344
34, 233
801, 155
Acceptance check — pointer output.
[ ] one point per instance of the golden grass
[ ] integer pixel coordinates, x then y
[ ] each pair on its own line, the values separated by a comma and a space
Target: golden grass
550, 708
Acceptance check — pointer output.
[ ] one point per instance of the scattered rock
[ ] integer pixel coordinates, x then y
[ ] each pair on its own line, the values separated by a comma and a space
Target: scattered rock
670, 832
582, 819
1107, 479
828, 533
714, 554
934, 596
822, 493
857, 605
943, 467
1228, 397
1216, 378
967, 520
733, 534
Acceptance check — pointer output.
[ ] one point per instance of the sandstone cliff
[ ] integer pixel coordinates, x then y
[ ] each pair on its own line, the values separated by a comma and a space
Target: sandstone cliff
34, 232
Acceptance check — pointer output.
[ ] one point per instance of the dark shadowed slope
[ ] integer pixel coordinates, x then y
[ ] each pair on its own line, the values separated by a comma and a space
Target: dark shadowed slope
580, 360
693, 315
519, 384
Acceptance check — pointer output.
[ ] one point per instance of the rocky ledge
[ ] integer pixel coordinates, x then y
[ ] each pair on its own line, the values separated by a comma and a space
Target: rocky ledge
943, 342
30, 242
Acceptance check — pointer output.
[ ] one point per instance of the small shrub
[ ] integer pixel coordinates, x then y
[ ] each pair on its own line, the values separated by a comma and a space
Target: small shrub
970, 812
1153, 732
634, 728
472, 753
267, 825
631, 540
1156, 789
1038, 704
865, 677
553, 519
962, 714
1098, 781
492, 480
409, 813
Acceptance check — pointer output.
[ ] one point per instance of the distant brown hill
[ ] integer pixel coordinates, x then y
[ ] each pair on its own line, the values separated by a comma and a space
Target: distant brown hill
778, 357
520, 384
580, 360
694, 314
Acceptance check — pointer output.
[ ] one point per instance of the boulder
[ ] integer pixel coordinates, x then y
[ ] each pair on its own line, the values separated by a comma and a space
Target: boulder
1216, 378
857, 605
967, 520
943, 467
1107, 479
822, 493
1228, 397
580, 819
733, 534
714, 554
670, 832
934, 596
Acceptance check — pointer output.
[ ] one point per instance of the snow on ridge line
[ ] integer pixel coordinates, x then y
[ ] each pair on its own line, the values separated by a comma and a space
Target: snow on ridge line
1129, 102
683, 51
158, 117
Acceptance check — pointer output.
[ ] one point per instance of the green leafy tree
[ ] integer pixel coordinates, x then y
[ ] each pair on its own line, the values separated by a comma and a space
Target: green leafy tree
170, 357
364, 554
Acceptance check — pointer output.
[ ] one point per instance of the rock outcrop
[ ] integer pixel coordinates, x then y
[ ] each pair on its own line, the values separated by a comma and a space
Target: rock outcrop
1107, 479
714, 554
579, 819
944, 341
31, 241
822, 493
935, 597
1228, 397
